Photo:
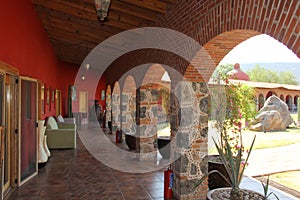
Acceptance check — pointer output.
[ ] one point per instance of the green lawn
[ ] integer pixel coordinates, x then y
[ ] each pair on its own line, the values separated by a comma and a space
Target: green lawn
290, 179
272, 139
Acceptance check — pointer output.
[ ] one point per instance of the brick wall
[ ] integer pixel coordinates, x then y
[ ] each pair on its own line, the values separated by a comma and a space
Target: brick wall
217, 25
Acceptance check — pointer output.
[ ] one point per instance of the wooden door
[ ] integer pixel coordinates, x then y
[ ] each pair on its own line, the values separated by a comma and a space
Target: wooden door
28, 130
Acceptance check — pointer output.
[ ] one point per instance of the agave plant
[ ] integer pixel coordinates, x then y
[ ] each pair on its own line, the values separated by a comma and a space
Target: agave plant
234, 165
266, 190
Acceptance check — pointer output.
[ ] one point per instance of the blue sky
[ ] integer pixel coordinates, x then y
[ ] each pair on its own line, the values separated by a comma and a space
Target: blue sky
260, 49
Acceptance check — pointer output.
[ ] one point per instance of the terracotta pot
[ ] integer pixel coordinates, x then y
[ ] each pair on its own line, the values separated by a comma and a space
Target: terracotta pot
215, 180
130, 141
223, 193
109, 123
163, 147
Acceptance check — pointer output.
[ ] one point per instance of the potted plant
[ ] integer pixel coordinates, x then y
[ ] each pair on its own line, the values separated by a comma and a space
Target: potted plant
234, 164
231, 103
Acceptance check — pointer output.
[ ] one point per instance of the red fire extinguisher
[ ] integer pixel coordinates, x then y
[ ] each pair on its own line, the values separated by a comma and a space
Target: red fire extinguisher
168, 183
118, 136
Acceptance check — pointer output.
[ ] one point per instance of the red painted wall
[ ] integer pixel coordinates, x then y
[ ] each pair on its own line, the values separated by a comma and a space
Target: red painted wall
25, 45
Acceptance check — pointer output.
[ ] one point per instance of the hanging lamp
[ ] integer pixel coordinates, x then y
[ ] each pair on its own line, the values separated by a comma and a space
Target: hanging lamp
102, 7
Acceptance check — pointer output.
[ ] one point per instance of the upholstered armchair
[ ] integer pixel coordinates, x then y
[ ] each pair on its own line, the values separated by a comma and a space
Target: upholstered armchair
64, 120
60, 136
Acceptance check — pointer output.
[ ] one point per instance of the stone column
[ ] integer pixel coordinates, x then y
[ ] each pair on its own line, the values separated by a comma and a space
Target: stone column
116, 112
108, 109
147, 103
128, 109
189, 125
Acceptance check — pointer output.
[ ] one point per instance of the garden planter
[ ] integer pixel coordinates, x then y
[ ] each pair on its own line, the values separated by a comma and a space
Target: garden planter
215, 180
163, 147
224, 194
109, 125
130, 141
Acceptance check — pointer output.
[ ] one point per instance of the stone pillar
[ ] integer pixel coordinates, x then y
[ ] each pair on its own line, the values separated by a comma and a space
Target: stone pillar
147, 103
189, 129
116, 113
128, 109
108, 108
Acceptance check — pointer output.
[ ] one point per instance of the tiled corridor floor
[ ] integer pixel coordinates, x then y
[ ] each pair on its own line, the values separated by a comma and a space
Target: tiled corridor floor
76, 174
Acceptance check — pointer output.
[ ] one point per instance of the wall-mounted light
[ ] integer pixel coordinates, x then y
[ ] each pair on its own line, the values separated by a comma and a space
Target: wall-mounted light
87, 66
83, 77
102, 7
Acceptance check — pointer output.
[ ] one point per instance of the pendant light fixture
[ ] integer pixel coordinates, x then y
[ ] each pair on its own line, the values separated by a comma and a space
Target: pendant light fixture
102, 7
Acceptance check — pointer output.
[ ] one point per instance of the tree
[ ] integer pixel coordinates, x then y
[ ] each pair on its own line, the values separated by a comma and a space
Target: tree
222, 69
230, 103
260, 74
287, 78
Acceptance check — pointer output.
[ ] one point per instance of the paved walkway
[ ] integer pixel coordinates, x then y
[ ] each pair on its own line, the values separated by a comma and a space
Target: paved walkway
274, 160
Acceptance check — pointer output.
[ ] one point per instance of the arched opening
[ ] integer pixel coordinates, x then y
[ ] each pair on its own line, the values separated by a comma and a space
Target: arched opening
296, 103
261, 101
270, 93
282, 97
289, 102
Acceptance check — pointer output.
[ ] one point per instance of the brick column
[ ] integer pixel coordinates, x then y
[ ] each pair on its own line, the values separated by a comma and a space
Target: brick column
189, 127
147, 102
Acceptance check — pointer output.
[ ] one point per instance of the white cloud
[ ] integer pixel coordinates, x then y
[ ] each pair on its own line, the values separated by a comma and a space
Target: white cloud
260, 49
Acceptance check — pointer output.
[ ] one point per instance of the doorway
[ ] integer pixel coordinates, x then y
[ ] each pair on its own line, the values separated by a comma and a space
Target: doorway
28, 130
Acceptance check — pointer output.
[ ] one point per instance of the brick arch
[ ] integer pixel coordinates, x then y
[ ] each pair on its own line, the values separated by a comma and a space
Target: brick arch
154, 74
138, 62
221, 45
208, 19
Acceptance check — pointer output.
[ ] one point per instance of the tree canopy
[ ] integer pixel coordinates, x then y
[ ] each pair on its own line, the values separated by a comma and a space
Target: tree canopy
260, 74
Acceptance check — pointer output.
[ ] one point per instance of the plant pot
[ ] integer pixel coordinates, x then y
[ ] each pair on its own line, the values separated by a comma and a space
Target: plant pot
109, 125
163, 147
224, 194
130, 141
215, 180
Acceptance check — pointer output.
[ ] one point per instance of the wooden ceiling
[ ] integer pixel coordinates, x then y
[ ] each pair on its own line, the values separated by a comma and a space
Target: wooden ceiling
74, 30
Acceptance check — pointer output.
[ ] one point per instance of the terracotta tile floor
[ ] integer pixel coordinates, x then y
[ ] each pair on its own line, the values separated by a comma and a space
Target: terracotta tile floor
75, 174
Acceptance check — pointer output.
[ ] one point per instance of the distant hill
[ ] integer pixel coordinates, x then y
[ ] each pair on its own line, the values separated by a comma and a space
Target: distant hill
281, 67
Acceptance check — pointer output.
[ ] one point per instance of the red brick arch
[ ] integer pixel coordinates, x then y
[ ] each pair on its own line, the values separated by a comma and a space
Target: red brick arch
219, 25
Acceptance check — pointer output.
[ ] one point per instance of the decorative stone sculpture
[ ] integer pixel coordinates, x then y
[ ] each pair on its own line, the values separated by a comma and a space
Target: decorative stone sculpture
273, 116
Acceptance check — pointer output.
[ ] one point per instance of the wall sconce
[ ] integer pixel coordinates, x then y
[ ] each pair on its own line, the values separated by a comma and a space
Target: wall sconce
102, 8
87, 66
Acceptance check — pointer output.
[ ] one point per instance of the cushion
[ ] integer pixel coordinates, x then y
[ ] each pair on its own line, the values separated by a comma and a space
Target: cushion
60, 118
51, 123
